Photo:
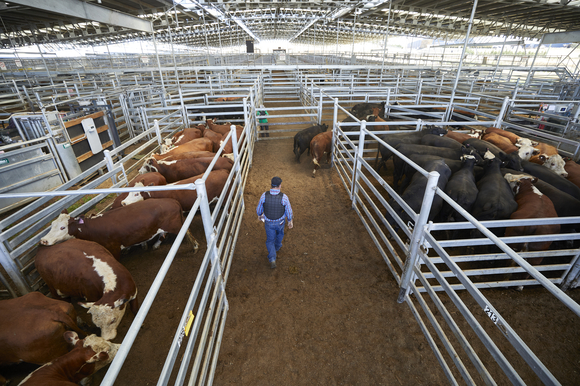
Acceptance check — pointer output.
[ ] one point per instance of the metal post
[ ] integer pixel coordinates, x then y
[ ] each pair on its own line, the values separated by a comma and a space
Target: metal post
530, 76
417, 235
158, 131
386, 37
110, 164
13, 271
319, 118
501, 53
357, 160
172, 52
158, 62
337, 25
334, 130
461, 59
501, 114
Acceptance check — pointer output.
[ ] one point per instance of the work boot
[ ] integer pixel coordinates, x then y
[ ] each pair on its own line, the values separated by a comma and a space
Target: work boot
273, 264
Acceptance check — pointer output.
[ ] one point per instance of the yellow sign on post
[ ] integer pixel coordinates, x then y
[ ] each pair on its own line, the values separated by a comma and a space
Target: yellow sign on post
189, 323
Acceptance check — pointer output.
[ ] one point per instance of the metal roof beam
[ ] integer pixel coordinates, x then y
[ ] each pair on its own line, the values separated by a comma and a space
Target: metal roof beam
88, 11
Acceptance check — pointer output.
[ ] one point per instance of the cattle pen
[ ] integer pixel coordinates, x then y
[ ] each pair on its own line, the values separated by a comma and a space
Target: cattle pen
370, 288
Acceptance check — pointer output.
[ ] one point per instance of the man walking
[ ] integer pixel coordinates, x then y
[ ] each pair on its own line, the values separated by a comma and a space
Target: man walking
274, 208
262, 111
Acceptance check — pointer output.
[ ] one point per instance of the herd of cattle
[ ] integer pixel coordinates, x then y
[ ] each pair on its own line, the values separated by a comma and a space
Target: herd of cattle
79, 259
492, 174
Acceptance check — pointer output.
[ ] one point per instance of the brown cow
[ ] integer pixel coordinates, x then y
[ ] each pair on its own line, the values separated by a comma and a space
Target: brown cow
84, 269
500, 141
88, 356
573, 170
531, 204
185, 135
187, 154
320, 145
504, 133
215, 138
214, 185
222, 129
146, 179
459, 137
178, 170
120, 228
32, 328
548, 156
228, 99
199, 144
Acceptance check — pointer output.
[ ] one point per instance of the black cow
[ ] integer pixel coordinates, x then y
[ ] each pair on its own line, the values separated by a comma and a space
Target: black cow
495, 200
512, 161
551, 178
413, 195
362, 110
302, 139
462, 189
439, 141
411, 137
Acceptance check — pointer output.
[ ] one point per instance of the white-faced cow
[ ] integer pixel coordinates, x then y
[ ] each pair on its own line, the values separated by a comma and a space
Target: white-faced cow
88, 356
32, 328
214, 185
178, 170
185, 135
85, 269
122, 227
146, 179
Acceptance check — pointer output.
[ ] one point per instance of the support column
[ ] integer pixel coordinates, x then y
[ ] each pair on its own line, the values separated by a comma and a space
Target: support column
449, 110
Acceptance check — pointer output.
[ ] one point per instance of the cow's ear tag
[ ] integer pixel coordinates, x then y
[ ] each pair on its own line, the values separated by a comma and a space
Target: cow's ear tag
81, 221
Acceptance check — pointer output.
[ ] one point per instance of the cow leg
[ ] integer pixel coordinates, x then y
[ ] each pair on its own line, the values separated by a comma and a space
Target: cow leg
159, 241
193, 241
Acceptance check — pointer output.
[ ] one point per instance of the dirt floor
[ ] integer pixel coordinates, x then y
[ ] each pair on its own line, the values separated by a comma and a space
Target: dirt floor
327, 315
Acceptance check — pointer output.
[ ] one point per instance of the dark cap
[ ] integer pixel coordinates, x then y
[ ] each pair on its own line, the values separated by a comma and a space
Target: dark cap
276, 181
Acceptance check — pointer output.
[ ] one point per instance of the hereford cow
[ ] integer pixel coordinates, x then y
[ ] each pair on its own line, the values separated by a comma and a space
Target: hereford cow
222, 129
32, 328
552, 178
199, 144
553, 162
187, 154
513, 138
214, 185
531, 204
524, 150
85, 269
88, 356
461, 137
146, 179
320, 145
185, 135
214, 137
303, 138
182, 169
123, 227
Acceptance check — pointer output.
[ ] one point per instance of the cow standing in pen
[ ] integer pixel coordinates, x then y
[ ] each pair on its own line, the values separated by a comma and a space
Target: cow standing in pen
123, 227
85, 269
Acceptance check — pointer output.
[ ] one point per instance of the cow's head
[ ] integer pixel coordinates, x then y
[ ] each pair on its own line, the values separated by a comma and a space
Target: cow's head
512, 161
515, 181
94, 350
555, 163
525, 142
58, 230
133, 197
149, 166
527, 151
324, 127
106, 317
436, 130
